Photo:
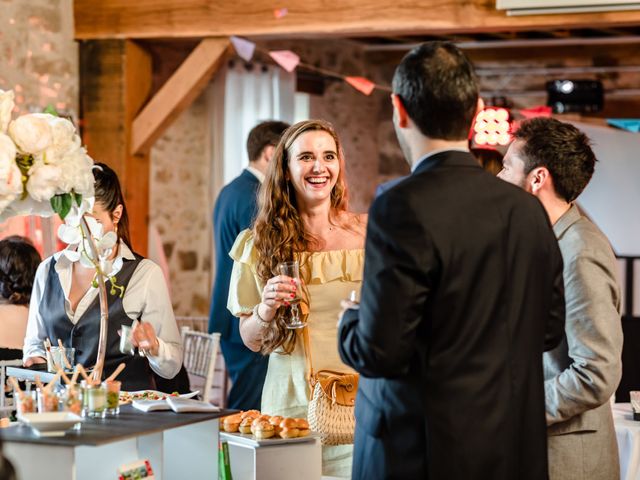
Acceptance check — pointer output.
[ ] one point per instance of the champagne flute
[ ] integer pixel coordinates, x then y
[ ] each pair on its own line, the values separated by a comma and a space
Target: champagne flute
292, 269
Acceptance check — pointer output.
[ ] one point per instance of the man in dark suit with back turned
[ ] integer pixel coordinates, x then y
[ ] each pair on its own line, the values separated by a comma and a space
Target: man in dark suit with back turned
461, 295
234, 211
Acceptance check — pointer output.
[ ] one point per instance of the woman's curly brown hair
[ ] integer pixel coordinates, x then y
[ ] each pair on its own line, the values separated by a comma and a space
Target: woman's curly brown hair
19, 261
279, 233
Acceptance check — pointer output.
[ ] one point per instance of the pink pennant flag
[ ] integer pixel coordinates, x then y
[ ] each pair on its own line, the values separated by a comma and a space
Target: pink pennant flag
286, 59
280, 13
361, 84
244, 48
541, 111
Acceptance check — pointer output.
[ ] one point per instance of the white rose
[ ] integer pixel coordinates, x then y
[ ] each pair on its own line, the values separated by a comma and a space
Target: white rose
6, 107
43, 181
64, 139
31, 133
10, 175
77, 174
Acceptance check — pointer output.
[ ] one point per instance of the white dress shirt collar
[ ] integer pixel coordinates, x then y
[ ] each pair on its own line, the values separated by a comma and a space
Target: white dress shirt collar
256, 173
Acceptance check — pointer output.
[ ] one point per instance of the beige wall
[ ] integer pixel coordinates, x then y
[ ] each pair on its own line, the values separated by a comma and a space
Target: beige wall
38, 56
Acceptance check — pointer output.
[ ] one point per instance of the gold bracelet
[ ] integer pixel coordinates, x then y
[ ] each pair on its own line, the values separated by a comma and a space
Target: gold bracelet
262, 323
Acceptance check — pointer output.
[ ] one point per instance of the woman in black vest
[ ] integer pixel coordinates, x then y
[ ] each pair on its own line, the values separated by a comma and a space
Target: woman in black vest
65, 305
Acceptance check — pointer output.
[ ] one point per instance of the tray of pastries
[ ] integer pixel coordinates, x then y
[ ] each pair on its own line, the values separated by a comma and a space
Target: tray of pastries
257, 429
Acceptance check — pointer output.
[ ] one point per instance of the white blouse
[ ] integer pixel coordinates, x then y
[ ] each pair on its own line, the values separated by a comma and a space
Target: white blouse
146, 297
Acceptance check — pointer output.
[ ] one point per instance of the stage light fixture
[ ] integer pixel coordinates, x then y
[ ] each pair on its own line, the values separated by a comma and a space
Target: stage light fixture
492, 127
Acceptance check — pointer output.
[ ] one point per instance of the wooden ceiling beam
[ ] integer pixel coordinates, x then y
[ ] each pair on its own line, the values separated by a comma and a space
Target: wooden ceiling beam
175, 96
208, 18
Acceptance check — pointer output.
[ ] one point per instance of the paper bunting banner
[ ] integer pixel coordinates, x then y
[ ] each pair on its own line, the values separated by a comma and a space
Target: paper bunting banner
629, 124
361, 84
286, 59
541, 111
244, 48
280, 13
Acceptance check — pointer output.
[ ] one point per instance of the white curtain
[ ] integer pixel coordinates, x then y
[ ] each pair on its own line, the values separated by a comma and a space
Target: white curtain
241, 96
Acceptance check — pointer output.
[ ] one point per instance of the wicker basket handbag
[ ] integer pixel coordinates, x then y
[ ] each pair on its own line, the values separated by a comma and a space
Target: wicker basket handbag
332, 403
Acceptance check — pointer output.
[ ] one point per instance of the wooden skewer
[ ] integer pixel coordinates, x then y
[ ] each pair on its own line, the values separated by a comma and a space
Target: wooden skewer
64, 376
38, 382
83, 372
53, 381
64, 355
115, 373
16, 386
94, 374
74, 377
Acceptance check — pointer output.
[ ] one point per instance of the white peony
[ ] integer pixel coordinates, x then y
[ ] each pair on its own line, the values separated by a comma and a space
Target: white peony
43, 181
77, 174
10, 175
31, 133
64, 139
6, 107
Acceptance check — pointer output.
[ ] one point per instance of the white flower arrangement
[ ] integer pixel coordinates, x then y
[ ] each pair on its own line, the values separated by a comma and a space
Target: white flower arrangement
44, 169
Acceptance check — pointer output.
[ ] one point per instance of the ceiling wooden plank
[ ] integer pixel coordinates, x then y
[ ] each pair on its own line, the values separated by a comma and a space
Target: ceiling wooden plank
207, 18
178, 92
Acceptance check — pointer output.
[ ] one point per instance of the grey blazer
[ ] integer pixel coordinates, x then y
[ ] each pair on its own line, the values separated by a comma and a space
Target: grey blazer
583, 372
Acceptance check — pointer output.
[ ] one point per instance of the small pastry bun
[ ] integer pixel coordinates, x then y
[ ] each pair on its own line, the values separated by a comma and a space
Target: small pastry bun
303, 427
256, 421
289, 428
245, 425
250, 413
263, 429
275, 421
231, 423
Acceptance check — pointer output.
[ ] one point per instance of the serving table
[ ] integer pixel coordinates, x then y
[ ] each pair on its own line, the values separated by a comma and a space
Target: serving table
181, 445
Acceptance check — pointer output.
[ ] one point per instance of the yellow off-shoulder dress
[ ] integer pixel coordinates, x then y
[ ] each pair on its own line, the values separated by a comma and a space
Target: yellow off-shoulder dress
331, 275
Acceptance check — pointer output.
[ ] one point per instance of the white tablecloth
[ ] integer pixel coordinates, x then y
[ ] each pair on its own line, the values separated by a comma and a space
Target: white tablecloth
628, 435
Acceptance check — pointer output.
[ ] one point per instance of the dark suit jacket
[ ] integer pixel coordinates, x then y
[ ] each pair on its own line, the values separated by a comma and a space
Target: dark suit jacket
383, 187
462, 293
234, 211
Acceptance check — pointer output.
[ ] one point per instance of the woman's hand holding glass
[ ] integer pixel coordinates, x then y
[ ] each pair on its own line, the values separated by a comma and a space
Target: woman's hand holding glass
144, 337
278, 292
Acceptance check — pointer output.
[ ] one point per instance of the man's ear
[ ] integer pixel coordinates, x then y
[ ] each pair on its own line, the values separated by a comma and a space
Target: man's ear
399, 111
267, 152
479, 106
538, 178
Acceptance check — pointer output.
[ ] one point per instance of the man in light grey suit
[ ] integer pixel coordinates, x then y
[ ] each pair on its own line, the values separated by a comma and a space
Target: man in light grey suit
554, 161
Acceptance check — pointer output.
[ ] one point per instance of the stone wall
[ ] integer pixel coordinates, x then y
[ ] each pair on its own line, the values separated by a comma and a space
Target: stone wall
38, 56
180, 208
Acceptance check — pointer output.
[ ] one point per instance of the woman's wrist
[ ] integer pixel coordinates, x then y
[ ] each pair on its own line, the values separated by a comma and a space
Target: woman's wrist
263, 319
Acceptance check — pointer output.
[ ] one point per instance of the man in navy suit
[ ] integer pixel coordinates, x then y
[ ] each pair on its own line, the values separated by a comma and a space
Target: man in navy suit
234, 211
459, 299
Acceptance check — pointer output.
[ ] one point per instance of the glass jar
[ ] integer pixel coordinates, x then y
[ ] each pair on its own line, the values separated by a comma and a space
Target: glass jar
94, 400
113, 396
72, 399
48, 400
25, 402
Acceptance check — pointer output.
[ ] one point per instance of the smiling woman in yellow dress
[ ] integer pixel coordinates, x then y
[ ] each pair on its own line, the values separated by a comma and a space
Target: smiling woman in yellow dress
302, 216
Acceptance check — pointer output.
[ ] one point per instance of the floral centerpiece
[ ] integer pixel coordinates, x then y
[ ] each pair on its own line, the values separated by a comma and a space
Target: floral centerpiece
45, 170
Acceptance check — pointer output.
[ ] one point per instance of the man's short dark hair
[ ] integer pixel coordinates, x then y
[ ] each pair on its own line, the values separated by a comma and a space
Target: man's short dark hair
262, 135
438, 88
560, 147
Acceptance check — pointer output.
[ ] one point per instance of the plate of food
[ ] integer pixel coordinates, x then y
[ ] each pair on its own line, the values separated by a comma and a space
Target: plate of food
50, 423
255, 429
129, 397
